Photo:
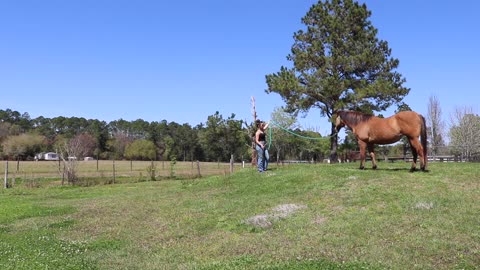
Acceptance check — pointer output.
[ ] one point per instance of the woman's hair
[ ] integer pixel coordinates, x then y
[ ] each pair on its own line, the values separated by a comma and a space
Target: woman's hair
258, 122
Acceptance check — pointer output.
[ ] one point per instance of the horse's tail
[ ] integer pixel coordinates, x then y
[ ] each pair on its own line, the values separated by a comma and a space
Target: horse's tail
423, 139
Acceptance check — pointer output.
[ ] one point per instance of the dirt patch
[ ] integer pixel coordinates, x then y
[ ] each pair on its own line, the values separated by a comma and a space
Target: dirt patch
424, 205
279, 212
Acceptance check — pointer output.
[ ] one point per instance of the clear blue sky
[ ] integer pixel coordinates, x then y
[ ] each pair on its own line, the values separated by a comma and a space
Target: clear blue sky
182, 61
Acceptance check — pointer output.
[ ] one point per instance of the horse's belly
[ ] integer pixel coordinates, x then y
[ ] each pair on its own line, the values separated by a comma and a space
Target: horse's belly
384, 139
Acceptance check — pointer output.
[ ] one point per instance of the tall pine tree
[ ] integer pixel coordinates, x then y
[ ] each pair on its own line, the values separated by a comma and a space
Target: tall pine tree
338, 63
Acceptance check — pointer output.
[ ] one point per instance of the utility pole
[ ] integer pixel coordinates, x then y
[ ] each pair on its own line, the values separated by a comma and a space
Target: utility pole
254, 114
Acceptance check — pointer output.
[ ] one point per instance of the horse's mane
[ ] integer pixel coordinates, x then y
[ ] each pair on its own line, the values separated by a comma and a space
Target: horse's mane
354, 118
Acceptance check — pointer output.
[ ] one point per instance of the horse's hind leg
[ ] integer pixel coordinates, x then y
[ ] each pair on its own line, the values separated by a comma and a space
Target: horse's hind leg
415, 150
371, 148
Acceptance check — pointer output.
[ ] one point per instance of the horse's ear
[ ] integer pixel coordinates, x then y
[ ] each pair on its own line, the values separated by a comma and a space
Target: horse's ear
334, 116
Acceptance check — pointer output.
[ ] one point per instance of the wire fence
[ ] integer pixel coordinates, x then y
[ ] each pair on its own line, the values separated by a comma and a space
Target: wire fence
111, 171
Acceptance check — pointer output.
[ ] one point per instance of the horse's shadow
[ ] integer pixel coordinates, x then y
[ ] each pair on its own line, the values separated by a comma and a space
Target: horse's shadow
394, 169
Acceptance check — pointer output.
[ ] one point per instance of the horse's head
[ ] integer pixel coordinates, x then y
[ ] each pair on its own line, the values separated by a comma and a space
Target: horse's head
339, 123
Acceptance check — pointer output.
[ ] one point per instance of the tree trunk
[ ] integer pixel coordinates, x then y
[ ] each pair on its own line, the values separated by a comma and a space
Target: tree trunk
333, 145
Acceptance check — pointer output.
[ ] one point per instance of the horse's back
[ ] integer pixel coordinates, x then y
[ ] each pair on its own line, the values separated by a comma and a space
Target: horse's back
408, 116
409, 122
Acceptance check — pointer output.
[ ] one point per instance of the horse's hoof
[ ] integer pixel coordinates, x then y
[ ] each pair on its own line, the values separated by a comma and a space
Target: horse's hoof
361, 168
412, 169
374, 167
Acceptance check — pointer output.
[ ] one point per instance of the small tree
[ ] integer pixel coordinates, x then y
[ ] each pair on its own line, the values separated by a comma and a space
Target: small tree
72, 150
280, 139
220, 138
141, 150
465, 133
118, 144
435, 125
23, 146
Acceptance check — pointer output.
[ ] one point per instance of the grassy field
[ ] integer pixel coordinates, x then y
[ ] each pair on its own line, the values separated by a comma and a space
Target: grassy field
291, 217
103, 171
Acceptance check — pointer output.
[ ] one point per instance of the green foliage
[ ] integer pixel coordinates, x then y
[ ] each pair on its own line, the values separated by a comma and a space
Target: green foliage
339, 63
281, 141
19, 122
289, 142
152, 171
221, 138
6, 129
141, 150
172, 167
23, 145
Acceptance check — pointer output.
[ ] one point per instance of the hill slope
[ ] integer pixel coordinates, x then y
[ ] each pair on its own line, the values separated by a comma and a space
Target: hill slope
291, 217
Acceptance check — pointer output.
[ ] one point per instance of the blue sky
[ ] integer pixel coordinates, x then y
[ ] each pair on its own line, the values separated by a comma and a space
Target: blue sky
182, 61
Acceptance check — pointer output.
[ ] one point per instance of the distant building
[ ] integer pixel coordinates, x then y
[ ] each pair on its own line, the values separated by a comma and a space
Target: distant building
47, 156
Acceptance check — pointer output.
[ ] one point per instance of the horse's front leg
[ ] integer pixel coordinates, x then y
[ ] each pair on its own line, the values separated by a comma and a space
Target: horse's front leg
372, 155
363, 147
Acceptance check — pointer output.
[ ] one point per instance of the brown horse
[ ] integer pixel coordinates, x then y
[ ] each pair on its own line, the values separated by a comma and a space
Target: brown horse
370, 130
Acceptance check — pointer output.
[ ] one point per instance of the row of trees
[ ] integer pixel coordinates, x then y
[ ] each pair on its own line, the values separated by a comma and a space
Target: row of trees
21, 138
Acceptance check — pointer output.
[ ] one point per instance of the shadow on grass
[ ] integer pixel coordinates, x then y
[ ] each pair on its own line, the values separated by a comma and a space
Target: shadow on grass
394, 169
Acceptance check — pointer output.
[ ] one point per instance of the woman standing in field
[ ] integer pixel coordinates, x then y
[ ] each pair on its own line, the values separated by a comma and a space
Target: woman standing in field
261, 145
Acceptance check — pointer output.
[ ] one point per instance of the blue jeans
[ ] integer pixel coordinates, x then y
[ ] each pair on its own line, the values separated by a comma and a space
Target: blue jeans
267, 158
260, 158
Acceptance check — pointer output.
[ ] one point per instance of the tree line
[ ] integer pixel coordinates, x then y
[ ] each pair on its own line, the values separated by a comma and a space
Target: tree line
22, 138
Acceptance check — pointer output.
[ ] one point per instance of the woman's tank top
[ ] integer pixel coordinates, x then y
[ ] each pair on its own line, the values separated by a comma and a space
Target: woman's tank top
261, 137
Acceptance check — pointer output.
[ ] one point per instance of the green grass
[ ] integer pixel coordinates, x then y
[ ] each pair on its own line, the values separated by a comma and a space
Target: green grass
352, 219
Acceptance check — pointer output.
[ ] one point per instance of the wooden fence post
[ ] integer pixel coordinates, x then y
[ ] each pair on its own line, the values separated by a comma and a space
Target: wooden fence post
114, 171
63, 172
231, 164
198, 169
5, 182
